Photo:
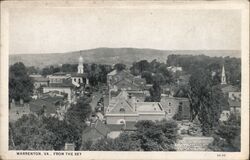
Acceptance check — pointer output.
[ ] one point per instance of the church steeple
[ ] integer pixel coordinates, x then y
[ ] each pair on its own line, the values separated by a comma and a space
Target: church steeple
80, 65
223, 76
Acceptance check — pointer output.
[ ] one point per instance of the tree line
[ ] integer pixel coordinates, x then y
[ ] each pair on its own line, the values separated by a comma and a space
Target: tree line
192, 63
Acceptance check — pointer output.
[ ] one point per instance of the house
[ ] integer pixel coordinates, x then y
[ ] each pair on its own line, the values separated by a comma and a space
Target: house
40, 82
116, 75
226, 88
174, 106
125, 110
169, 90
224, 115
174, 69
234, 95
127, 84
18, 109
118, 80
49, 106
183, 79
94, 131
235, 106
65, 86
58, 77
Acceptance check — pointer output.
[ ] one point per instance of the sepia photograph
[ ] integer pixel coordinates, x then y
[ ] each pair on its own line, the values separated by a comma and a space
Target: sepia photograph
125, 77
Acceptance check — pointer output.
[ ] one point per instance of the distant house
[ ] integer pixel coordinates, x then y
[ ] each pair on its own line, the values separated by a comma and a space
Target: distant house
234, 95
49, 106
127, 84
65, 86
183, 79
95, 130
175, 105
169, 90
235, 106
116, 75
40, 82
224, 115
118, 80
58, 77
125, 110
174, 68
18, 109
226, 88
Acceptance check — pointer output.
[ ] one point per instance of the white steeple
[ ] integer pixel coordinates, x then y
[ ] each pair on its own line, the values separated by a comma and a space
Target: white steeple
80, 65
223, 76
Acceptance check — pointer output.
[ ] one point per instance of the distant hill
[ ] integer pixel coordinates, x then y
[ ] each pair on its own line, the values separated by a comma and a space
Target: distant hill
110, 56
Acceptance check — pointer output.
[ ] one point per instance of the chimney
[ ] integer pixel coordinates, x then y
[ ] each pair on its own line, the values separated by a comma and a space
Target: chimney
69, 147
133, 103
88, 123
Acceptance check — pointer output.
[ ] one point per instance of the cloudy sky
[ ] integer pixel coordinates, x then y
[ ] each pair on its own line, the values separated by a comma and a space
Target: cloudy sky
62, 30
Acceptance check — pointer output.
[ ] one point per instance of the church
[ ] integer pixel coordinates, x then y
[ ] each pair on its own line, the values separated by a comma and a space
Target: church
80, 78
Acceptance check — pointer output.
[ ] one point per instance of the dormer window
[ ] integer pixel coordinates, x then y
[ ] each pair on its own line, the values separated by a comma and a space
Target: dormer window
122, 110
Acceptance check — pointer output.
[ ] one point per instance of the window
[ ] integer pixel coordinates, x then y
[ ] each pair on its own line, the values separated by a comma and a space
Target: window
169, 110
122, 110
180, 108
169, 104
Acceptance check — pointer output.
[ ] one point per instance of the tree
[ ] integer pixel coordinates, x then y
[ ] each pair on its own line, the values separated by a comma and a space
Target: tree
69, 68
120, 66
227, 135
206, 100
20, 84
148, 76
78, 113
157, 136
149, 136
155, 93
29, 134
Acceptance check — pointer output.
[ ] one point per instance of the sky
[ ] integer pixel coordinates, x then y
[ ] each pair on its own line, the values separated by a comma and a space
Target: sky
63, 30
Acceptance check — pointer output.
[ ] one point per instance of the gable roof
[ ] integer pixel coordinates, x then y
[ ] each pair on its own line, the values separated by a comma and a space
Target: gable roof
37, 105
121, 104
66, 83
229, 88
112, 73
95, 131
234, 103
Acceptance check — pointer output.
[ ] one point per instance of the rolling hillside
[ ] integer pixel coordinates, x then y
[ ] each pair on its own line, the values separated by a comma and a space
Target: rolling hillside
109, 56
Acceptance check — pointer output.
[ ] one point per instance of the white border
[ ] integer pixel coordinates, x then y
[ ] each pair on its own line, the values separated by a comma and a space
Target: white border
241, 5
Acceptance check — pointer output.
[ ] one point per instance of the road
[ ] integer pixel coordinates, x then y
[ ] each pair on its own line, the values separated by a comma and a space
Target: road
95, 98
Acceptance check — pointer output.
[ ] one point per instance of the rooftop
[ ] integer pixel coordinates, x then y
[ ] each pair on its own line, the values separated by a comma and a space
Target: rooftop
234, 103
148, 106
40, 79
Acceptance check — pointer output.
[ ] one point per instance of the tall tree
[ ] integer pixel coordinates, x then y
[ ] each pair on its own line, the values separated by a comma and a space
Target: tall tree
78, 113
20, 84
155, 93
206, 100
120, 66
